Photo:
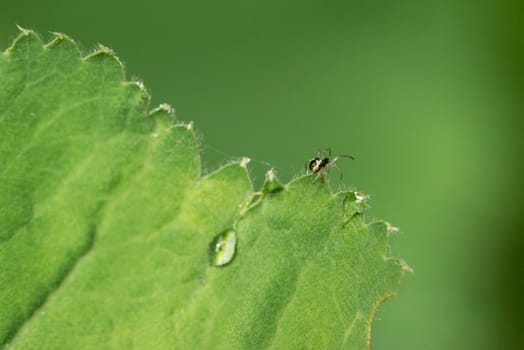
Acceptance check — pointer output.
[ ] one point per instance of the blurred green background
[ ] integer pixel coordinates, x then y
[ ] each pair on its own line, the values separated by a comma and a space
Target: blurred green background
428, 95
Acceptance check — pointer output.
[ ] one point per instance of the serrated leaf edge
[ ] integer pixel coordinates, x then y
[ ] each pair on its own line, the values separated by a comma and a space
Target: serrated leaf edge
105, 52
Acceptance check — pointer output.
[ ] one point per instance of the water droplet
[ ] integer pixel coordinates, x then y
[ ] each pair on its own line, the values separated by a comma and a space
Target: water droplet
360, 197
222, 248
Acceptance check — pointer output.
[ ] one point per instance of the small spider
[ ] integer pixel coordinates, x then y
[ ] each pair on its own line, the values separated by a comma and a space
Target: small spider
321, 163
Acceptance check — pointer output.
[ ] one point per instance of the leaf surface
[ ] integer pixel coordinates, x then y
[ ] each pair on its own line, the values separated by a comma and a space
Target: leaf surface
108, 229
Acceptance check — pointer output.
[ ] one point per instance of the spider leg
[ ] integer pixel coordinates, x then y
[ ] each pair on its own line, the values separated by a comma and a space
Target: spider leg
332, 164
320, 174
346, 156
321, 152
334, 161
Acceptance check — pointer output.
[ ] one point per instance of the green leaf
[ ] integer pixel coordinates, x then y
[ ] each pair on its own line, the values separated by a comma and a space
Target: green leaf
110, 237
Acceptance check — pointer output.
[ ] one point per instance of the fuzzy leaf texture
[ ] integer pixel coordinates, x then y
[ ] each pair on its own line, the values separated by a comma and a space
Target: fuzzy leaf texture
109, 234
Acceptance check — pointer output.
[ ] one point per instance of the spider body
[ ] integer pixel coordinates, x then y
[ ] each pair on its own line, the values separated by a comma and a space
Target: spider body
316, 164
321, 163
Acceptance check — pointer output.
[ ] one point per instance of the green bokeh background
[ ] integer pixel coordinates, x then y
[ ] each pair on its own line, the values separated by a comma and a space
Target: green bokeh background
428, 95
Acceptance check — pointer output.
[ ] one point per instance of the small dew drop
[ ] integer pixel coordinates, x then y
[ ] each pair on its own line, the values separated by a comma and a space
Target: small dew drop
222, 248
361, 201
